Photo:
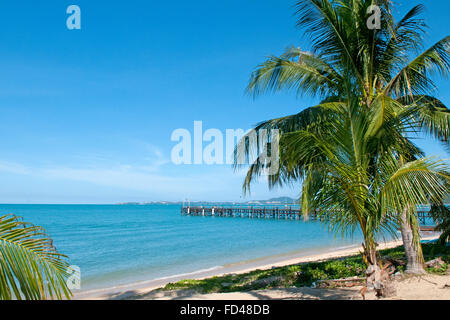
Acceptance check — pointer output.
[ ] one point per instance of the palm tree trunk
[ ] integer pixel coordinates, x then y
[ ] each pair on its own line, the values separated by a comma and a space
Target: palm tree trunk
377, 278
373, 271
413, 252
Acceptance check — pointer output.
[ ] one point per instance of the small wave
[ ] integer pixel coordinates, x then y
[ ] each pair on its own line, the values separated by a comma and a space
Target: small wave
146, 282
189, 273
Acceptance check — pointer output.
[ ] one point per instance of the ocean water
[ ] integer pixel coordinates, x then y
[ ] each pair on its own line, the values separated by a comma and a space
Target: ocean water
124, 244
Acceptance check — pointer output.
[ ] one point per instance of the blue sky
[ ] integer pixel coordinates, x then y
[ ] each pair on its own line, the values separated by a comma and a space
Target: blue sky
86, 115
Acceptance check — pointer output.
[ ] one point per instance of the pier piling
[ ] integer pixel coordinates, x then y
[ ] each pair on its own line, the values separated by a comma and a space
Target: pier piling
288, 213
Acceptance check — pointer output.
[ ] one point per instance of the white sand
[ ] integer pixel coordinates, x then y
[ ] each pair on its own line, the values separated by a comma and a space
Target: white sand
428, 287
130, 291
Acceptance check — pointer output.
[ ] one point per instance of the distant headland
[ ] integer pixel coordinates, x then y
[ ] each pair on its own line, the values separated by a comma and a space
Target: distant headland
271, 201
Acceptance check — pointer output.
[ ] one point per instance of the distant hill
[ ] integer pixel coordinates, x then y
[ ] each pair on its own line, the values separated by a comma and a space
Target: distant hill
278, 200
283, 200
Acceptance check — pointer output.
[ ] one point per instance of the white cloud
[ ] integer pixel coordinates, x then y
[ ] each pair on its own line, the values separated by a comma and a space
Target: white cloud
157, 179
127, 177
11, 167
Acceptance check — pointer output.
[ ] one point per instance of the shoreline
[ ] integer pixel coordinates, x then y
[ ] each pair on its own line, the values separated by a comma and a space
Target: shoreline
130, 290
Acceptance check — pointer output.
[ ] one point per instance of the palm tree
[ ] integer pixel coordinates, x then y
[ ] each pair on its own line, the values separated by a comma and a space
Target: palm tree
441, 214
30, 266
354, 171
348, 61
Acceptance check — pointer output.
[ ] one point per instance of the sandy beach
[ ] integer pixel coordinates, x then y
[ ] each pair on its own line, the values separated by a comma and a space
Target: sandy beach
144, 289
428, 287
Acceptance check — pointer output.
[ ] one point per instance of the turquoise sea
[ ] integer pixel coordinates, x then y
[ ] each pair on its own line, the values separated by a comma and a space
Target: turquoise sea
124, 244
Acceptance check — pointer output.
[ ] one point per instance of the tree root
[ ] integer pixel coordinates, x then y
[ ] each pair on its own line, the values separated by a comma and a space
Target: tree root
379, 280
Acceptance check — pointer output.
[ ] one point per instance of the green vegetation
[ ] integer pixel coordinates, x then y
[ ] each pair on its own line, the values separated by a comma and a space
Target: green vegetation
304, 275
353, 153
30, 266
441, 215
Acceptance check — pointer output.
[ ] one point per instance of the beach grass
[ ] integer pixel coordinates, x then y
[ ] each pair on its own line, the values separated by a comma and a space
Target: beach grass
306, 274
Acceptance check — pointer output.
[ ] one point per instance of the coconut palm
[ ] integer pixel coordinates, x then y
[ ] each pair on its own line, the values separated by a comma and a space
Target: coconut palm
355, 171
441, 215
348, 61
30, 266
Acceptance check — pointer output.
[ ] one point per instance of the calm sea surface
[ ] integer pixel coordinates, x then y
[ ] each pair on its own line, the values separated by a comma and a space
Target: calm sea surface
122, 244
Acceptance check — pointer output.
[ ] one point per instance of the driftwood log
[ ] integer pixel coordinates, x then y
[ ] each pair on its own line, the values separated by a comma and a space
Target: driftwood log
341, 283
435, 263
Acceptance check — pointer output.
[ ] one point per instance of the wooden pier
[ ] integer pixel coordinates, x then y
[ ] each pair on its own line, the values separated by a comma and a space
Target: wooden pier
285, 213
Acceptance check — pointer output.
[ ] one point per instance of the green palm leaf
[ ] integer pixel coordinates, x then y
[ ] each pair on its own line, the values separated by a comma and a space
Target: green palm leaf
30, 267
414, 78
354, 153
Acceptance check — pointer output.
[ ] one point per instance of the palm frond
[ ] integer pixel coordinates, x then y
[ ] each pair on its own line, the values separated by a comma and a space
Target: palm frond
414, 78
30, 267
430, 114
303, 72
